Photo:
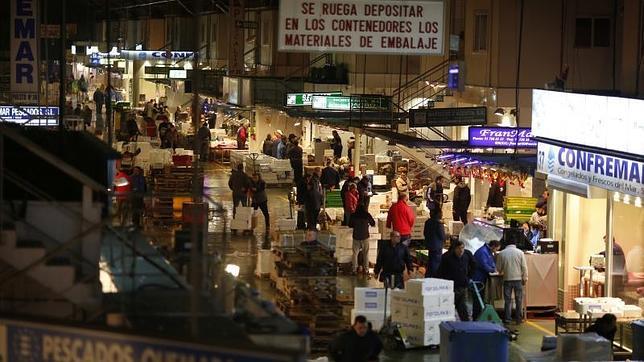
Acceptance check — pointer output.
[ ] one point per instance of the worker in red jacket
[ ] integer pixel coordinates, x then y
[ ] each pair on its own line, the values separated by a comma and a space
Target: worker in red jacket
351, 198
401, 218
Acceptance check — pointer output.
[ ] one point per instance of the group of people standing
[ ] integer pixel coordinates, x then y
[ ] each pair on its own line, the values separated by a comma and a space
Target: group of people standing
282, 147
247, 191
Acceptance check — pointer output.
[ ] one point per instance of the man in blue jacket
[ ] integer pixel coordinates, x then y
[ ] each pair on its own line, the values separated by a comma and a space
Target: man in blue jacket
485, 265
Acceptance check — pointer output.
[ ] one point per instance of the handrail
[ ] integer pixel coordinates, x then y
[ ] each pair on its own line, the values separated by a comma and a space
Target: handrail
39, 193
420, 76
421, 89
53, 160
314, 61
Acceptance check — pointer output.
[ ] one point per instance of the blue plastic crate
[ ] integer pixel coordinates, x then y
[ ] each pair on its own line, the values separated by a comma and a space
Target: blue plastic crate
474, 341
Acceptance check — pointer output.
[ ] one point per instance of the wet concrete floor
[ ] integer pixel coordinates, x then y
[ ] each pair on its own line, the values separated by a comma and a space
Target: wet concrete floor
241, 249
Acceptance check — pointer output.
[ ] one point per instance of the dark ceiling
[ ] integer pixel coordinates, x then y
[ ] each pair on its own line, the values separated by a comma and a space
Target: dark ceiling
134, 9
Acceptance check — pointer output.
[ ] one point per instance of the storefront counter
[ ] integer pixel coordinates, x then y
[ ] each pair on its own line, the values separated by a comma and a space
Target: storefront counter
542, 279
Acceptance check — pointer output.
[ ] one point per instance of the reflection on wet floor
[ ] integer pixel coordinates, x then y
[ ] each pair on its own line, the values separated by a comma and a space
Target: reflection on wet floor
242, 249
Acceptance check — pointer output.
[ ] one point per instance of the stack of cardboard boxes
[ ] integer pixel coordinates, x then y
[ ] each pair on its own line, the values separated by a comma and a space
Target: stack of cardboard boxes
419, 309
370, 303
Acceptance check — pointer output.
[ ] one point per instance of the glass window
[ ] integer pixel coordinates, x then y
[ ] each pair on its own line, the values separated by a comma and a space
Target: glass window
480, 32
601, 32
583, 32
628, 250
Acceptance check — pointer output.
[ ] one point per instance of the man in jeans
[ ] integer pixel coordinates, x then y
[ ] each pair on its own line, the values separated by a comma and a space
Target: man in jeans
458, 265
511, 263
239, 184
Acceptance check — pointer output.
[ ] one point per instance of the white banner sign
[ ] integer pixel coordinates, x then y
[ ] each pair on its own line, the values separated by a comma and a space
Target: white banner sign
24, 51
610, 123
607, 172
362, 26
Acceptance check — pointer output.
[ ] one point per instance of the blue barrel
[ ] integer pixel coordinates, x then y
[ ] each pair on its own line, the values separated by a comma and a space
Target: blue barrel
474, 341
638, 340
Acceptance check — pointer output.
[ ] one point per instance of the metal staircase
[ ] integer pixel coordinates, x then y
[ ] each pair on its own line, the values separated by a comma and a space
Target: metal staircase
50, 250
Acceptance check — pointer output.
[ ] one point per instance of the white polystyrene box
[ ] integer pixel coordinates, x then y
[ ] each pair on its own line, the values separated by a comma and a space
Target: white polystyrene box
429, 286
370, 298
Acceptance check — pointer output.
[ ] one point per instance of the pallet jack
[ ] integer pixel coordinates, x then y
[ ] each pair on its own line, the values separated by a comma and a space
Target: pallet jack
488, 313
393, 337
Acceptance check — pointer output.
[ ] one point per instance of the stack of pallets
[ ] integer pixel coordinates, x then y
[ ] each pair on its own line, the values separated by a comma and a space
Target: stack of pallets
174, 182
305, 279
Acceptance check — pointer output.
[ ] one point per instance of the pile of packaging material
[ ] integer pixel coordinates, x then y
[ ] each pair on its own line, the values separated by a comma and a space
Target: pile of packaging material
597, 307
583, 347
289, 238
238, 157
343, 243
421, 307
286, 224
370, 303
265, 262
243, 219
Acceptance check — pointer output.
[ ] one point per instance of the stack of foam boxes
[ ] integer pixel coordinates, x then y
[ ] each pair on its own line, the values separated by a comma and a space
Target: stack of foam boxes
343, 243
370, 303
243, 219
419, 227
419, 309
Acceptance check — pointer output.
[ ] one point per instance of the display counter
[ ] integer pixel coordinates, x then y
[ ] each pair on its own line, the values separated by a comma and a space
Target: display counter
541, 289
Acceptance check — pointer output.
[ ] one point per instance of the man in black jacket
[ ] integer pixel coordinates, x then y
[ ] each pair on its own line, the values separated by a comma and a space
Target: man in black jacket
359, 344
295, 155
330, 178
392, 260
313, 202
239, 184
461, 201
458, 265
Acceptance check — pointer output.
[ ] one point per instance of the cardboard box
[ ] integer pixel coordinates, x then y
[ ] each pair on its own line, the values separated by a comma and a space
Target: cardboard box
632, 311
424, 340
423, 301
399, 312
265, 262
237, 224
369, 299
429, 286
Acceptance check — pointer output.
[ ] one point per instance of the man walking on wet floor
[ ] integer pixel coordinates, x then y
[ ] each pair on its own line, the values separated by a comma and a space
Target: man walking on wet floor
391, 262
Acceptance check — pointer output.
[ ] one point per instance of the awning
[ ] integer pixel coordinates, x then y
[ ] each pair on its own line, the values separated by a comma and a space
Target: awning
411, 141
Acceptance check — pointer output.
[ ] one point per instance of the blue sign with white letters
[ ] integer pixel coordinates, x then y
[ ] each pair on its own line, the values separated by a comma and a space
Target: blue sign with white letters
591, 168
30, 115
29, 342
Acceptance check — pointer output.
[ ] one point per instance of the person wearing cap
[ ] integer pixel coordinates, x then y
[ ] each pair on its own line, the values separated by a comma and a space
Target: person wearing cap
277, 139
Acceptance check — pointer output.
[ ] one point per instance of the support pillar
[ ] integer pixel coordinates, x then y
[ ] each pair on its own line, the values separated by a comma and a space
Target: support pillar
357, 132
608, 281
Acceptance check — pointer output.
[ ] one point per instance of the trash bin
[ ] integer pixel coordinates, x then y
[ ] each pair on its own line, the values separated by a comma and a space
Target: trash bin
638, 340
474, 341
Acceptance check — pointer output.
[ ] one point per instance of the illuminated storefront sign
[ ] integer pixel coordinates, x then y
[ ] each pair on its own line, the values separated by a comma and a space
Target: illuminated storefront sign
306, 99
501, 137
24, 51
157, 55
592, 168
30, 115
348, 103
